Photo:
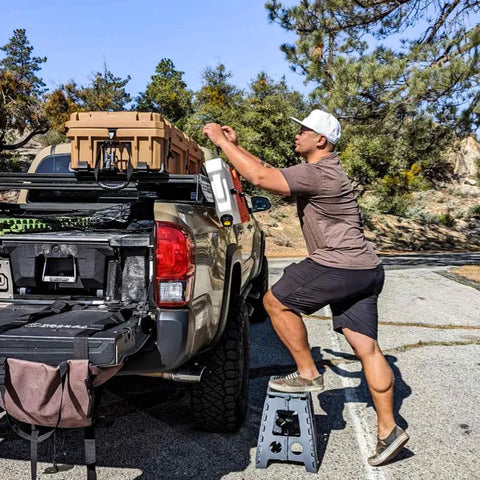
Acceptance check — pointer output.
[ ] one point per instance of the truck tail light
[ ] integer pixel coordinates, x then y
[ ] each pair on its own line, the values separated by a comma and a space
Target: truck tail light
174, 265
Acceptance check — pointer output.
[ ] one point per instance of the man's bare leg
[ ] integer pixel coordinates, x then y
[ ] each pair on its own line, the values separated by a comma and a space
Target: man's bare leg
292, 332
379, 377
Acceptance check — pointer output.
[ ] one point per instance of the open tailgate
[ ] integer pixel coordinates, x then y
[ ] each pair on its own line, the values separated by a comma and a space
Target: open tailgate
104, 337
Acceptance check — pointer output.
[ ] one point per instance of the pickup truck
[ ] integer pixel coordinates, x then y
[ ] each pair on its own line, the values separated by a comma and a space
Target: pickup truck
146, 276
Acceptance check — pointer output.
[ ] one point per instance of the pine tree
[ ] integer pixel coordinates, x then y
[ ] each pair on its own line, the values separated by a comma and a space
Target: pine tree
218, 101
19, 61
21, 92
105, 92
167, 93
435, 72
401, 102
265, 127
60, 104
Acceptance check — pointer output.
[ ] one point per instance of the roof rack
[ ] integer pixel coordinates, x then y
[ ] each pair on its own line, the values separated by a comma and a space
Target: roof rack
148, 184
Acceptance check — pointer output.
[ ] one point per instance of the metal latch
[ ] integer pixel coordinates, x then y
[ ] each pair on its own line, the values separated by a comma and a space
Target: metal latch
61, 270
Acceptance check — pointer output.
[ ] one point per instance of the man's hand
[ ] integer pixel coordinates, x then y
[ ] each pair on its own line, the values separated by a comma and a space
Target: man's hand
246, 164
215, 133
230, 134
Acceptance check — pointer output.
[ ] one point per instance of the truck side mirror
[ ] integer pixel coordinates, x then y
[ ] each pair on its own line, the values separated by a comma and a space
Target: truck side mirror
260, 204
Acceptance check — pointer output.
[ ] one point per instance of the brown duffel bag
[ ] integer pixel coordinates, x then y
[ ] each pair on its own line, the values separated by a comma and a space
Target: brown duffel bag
57, 397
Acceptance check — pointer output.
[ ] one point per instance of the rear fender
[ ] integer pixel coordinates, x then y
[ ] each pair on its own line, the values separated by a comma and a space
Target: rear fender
233, 271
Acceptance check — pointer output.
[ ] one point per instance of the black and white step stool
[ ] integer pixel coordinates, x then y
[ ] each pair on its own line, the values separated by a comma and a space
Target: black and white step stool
287, 431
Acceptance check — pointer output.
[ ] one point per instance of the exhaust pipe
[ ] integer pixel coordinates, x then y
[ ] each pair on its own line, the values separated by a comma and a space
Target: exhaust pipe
191, 375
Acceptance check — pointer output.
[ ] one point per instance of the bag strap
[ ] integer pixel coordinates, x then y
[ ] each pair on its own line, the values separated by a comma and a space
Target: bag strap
59, 306
3, 370
90, 452
34, 452
80, 341
34, 437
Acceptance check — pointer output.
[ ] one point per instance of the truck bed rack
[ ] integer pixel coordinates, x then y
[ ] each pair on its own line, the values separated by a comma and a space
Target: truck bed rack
147, 184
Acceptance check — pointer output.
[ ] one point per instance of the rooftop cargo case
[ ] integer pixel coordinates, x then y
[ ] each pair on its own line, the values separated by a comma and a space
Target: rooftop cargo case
154, 142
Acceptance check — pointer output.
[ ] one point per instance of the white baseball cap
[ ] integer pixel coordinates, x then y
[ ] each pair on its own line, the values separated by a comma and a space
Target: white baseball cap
323, 123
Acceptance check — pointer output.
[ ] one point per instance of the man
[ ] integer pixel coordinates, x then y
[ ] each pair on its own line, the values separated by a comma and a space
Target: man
341, 270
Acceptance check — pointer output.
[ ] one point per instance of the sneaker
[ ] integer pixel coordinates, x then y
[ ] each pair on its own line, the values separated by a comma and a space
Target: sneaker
294, 383
389, 447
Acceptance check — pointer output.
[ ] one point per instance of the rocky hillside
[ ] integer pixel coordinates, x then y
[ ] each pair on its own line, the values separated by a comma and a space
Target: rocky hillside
441, 220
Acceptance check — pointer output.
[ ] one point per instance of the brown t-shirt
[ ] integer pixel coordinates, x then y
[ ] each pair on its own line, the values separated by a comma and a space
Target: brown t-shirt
329, 215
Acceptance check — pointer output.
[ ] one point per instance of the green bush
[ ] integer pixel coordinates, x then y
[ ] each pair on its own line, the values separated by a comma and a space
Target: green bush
473, 212
394, 193
428, 218
366, 218
52, 137
364, 158
446, 219
11, 164
395, 205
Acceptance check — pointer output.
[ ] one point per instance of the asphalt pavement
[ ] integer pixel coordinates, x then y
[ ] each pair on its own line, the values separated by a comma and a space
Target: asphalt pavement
430, 334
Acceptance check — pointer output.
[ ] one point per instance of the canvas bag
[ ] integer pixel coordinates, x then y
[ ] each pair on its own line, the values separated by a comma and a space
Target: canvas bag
49, 396
40, 394
56, 397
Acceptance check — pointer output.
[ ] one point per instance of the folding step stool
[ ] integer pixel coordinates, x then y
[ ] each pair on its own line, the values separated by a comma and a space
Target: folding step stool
287, 432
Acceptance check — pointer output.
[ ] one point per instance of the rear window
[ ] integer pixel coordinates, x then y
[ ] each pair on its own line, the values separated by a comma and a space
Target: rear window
54, 164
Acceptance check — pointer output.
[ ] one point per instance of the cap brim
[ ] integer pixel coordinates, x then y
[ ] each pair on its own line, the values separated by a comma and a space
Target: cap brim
296, 120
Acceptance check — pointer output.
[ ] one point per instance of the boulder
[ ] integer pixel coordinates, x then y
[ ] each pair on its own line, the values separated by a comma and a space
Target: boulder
467, 161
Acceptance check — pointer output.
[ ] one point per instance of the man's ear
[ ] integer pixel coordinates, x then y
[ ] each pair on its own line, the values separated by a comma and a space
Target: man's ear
322, 142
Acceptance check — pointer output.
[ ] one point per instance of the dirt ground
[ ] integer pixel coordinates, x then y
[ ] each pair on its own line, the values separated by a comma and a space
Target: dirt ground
470, 272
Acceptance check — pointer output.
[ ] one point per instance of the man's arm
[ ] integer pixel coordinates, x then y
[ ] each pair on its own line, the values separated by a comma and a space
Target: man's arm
231, 135
248, 166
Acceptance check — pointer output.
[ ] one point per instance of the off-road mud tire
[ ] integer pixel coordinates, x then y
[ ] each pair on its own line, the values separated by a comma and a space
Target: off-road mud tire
260, 285
219, 402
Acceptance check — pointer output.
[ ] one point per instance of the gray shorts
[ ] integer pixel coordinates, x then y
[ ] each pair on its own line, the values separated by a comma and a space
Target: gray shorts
307, 286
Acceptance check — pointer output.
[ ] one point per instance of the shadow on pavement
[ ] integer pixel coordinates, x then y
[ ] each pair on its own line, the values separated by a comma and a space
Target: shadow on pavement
431, 259
333, 401
402, 390
149, 432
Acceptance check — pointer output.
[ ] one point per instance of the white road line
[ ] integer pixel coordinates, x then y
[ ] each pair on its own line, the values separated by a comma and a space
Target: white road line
352, 405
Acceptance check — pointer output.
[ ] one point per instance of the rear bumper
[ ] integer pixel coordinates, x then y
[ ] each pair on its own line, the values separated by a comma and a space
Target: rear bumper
173, 337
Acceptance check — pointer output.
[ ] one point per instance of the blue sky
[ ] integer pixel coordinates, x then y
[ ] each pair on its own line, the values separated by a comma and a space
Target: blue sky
133, 36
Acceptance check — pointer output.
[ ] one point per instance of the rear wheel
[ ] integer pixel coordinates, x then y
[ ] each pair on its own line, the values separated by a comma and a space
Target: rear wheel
219, 402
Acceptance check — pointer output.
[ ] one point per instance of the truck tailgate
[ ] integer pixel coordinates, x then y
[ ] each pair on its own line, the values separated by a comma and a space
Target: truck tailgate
104, 336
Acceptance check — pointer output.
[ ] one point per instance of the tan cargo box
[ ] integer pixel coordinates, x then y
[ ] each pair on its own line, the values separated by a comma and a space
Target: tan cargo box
154, 142
177, 161
195, 157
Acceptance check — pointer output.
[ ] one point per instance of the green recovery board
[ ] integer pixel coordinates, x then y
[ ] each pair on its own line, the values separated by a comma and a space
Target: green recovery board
24, 225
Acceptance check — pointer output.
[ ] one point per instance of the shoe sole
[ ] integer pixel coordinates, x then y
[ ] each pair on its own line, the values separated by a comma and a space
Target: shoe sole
288, 389
391, 451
